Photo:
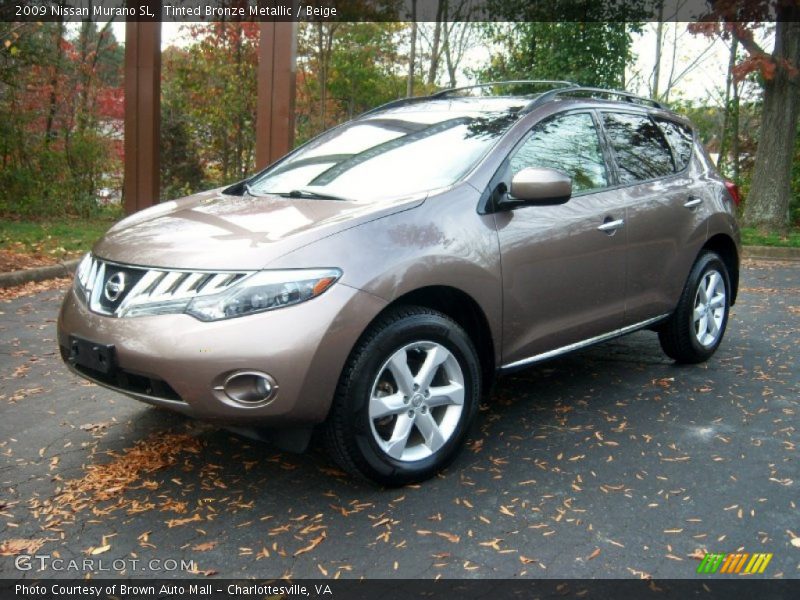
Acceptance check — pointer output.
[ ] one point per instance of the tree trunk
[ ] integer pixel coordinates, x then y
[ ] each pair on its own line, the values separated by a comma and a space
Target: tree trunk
723, 135
49, 134
767, 206
659, 42
412, 56
435, 51
735, 128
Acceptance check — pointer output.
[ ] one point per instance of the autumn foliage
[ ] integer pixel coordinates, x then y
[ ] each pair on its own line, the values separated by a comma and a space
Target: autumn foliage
61, 102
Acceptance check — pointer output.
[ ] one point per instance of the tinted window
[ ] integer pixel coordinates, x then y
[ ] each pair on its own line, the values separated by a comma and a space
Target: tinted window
639, 146
389, 155
681, 139
568, 143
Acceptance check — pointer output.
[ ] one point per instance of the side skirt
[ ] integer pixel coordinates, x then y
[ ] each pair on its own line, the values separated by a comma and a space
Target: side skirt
582, 344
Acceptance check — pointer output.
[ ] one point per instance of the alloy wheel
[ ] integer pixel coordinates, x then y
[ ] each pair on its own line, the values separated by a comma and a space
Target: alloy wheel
416, 401
709, 308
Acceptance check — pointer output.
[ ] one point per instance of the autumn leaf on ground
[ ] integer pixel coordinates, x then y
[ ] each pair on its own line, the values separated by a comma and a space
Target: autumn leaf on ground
525, 560
640, 574
495, 543
19, 546
177, 522
95, 426
205, 546
594, 554
207, 573
314, 543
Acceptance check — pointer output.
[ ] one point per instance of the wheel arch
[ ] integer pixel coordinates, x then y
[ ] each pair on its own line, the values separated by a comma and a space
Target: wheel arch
464, 310
724, 245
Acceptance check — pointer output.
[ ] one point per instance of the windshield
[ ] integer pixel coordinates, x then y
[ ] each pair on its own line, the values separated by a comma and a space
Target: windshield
387, 156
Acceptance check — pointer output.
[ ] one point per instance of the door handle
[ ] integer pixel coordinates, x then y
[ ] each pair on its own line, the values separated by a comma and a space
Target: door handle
692, 202
611, 226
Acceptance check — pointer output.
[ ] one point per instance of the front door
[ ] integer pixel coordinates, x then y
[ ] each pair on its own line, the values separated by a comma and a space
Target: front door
563, 266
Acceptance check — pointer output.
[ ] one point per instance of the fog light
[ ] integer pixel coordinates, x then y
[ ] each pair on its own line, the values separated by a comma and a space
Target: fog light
250, 388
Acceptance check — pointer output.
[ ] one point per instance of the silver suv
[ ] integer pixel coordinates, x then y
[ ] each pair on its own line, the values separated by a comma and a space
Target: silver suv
375, 280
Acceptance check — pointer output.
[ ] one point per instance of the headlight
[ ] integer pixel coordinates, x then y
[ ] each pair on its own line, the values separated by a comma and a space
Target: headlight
81, 282
262, 291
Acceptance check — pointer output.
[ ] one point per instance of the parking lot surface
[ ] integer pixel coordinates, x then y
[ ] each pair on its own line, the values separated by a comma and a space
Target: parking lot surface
611, 462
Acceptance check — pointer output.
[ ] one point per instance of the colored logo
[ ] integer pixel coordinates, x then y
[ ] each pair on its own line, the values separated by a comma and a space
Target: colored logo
732, 564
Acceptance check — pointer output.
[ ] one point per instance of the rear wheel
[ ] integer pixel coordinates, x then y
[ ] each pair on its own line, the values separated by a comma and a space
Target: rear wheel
695, 330
406, 398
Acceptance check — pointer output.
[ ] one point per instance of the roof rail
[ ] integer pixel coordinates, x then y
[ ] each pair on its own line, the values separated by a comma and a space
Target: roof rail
592, 92
565, 88
627, 96
550, 82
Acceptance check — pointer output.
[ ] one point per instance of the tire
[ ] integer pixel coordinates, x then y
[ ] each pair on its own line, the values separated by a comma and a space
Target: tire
384, 429
689, 337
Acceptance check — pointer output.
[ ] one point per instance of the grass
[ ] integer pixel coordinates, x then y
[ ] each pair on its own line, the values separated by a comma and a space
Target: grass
56, 239
753, 237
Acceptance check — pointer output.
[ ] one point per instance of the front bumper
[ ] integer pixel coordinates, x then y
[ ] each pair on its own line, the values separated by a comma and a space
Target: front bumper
177, 361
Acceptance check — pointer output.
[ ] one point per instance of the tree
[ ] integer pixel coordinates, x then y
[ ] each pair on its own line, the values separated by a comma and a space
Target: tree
210, 88
767, 204
594, 53
356, 70
412, 53
447, 39
58, 109
666, 77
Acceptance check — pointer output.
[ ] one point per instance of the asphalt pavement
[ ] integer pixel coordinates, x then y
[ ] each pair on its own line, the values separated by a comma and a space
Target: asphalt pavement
610, 462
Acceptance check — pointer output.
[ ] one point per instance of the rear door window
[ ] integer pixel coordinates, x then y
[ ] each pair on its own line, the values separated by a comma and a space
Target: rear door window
681, 139
640, 149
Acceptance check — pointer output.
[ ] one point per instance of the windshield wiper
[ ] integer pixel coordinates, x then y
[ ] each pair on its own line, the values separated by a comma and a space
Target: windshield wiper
303, 193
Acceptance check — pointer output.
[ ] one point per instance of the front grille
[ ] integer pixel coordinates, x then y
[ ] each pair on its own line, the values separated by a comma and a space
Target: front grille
115, 289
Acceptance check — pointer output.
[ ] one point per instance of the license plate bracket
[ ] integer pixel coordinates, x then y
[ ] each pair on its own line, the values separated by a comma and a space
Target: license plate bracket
92, 355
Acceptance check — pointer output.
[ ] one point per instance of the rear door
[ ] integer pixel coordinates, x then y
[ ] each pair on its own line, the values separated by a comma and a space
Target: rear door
664, 202
563, 266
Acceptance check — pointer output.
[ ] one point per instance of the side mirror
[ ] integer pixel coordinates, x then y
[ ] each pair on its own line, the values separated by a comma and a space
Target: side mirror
538, 186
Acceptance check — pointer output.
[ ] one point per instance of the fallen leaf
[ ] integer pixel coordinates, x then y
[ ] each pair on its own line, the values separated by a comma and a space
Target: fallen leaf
18, 546
204, 547
177, 522
314, 543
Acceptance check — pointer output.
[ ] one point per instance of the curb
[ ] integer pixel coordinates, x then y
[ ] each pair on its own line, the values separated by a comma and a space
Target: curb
771, 253
67, 268
62, 269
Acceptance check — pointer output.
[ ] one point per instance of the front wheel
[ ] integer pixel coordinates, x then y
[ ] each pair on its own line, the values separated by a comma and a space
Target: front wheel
406, 398
695, 330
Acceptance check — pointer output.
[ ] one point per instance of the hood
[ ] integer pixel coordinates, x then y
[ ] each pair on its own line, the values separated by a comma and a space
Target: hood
215, 231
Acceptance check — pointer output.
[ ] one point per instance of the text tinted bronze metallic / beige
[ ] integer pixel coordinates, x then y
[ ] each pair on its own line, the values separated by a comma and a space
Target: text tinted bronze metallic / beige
373, 282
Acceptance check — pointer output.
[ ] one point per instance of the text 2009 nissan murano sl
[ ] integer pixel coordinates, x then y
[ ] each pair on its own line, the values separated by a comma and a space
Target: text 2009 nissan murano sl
373, 281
